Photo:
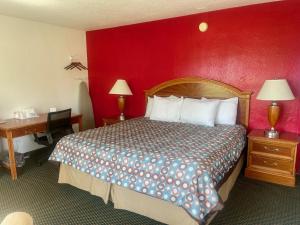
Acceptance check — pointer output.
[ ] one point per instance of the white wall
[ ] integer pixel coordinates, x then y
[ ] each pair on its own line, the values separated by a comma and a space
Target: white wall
32, 60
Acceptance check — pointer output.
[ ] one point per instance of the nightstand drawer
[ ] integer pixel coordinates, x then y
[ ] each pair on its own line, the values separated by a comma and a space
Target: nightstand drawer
29, 130
271, 149
273, 163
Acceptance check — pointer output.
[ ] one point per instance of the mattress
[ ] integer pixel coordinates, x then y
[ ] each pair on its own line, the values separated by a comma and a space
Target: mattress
184, 164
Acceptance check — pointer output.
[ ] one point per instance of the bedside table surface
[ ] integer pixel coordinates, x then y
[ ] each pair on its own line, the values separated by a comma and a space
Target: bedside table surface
114, 119
283, 136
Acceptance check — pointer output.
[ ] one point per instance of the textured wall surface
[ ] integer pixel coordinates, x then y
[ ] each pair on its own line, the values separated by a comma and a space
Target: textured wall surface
32, 58
243, 47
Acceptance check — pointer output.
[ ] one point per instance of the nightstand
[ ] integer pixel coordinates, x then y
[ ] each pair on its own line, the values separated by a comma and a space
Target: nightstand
272, 160
112, 120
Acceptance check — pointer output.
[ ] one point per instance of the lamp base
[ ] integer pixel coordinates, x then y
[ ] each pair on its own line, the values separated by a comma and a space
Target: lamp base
121, 104
273, 116
122, 117
272, 133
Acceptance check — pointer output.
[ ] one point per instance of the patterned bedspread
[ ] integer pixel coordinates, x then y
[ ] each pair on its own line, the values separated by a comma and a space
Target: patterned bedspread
176, 162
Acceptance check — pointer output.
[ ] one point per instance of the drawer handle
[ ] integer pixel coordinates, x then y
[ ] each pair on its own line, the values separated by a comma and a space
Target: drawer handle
271, 149
272, 164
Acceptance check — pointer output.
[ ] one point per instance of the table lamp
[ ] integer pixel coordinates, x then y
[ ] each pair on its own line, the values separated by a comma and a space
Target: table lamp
274, 90
121, 88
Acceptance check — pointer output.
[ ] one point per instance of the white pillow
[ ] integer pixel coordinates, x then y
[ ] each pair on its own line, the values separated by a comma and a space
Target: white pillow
227, 110
166, 109
173, 97
149, 107
199, 112
150, 104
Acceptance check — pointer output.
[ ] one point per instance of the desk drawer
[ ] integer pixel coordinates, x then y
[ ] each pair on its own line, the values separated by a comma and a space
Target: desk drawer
272, 149
272, 163
29, 130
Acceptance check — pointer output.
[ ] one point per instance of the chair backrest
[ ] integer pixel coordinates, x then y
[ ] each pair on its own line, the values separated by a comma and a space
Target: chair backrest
58, 121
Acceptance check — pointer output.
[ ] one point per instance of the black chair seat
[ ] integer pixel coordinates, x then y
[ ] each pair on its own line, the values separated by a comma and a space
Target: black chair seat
43, 140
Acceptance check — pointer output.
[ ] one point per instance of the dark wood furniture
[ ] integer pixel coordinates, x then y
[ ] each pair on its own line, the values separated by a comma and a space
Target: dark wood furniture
113, 120
196, 87
272, 160
17, 128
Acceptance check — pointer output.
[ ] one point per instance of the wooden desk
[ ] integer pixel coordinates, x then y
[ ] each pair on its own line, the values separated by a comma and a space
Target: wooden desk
17, 128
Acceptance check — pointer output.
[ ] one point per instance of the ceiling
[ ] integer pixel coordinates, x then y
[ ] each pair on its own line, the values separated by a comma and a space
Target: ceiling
98, 14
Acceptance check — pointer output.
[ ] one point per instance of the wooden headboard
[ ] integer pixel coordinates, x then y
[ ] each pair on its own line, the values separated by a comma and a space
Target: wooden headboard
196, 87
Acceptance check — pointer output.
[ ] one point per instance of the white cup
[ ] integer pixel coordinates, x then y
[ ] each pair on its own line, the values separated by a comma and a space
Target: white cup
52, 109
19, 115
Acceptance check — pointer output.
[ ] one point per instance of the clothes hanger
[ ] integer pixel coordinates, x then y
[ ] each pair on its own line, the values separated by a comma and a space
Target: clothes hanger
77, 65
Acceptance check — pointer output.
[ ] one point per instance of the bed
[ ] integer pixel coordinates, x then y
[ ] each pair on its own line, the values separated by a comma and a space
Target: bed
172, 172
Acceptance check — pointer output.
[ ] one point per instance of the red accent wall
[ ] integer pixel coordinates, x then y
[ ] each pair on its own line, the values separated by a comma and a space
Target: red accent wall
242, 46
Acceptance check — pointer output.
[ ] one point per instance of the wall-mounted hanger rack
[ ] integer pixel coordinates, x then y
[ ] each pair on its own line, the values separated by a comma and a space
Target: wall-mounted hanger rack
77, 65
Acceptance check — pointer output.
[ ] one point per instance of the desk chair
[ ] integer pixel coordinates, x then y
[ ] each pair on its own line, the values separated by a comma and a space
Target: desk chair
58, 125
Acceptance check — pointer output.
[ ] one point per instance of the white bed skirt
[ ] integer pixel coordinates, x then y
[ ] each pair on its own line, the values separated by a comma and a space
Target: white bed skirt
133, 201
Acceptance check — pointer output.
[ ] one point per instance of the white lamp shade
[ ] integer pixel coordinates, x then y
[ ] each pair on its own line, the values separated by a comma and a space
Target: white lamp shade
120, 88
275, 90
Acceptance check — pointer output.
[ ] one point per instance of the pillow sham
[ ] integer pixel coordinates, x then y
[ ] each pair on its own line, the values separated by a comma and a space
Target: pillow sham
150, 104
199, 112
166, 109
227, 111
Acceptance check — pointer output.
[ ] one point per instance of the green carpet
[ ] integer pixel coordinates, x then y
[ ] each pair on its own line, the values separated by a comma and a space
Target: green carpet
37, 192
